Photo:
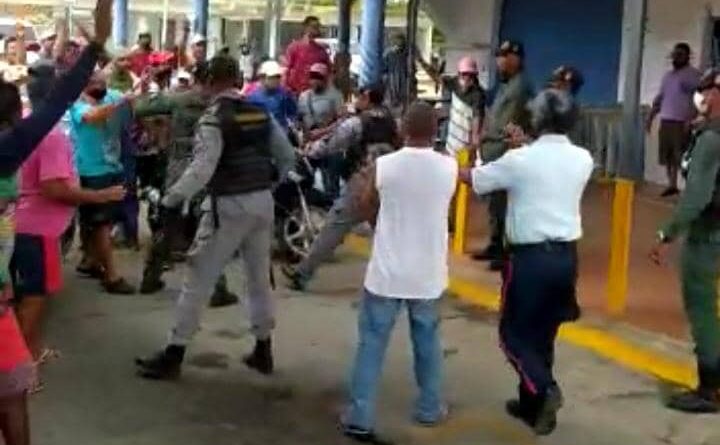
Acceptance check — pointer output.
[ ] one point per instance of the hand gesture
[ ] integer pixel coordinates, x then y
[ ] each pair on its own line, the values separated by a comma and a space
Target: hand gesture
103, 21
113, 194
20, 30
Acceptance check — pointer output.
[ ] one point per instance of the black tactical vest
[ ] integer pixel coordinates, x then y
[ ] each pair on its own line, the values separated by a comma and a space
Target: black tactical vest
378, 129
246, 162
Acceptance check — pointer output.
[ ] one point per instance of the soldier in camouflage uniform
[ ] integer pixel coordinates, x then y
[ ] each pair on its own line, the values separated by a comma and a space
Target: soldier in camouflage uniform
184, 109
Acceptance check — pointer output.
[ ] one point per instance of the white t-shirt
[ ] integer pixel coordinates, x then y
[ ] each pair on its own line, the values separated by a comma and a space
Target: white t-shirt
409, 254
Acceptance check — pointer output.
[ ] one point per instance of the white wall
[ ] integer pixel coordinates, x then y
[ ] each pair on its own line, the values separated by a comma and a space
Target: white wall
468, 28
669, 22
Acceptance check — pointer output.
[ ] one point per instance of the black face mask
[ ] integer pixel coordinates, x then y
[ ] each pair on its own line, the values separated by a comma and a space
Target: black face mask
97, 93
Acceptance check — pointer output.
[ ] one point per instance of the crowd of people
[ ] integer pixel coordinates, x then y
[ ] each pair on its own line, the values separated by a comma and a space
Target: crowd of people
211, 141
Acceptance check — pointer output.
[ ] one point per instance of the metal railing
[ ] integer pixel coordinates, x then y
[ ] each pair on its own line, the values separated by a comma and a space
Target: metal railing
600, 131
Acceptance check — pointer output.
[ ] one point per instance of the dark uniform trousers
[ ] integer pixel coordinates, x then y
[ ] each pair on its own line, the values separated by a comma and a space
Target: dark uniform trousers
497, 208
538, 296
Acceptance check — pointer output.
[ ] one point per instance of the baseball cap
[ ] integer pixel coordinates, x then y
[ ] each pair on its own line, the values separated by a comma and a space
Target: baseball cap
320, 69
510, 47
198, 39
271, 69
569, 75
710, 79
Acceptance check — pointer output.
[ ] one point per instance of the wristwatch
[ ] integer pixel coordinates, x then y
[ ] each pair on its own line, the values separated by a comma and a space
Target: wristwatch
663, 238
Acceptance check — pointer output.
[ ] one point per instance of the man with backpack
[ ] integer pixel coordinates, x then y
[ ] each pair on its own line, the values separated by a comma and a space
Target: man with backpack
697, 216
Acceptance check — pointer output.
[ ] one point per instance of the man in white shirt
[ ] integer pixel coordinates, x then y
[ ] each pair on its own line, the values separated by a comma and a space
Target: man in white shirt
408, 267
545, 182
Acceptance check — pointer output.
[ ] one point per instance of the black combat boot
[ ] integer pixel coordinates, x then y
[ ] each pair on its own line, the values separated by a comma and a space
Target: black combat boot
705, 399
151, 284
222, 296
261, 359
151, 281
163, 365
537, 412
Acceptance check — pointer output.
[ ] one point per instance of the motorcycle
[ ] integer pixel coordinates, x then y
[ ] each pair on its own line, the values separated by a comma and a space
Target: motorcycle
301, 205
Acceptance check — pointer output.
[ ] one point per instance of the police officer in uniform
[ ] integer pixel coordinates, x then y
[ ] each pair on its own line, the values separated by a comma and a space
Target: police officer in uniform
539, 286
239, 152
362, 138
508, 107
176, 230
697, 216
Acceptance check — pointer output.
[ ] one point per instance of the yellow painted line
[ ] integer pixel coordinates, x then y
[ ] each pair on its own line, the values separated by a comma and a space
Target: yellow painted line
602, 343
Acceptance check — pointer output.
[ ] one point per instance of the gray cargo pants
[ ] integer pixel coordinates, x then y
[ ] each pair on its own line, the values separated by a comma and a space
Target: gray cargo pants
339, 223
245, 227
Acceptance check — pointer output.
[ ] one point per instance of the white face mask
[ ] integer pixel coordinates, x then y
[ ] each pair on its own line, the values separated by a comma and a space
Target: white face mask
700, 103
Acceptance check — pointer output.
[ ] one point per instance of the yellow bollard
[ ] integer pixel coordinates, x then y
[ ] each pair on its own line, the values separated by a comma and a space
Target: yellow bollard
461, 207
621, 230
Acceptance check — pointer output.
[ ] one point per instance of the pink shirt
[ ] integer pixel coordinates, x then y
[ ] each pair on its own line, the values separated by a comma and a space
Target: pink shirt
35, 214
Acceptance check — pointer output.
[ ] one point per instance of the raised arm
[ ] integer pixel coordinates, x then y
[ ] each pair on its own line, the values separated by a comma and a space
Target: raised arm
18, 141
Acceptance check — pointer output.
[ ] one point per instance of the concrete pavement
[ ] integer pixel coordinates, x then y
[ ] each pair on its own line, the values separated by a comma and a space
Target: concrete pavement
92, 396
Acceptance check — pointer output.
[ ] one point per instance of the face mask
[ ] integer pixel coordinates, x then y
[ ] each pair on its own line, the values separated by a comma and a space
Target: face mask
97, 93
700, 103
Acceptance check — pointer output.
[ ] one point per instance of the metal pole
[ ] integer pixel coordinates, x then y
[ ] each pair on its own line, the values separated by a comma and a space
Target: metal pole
275, 23
632, 155
166, 13
412, 26
342, 57
267, 31
372, 41
120, 23
201, 10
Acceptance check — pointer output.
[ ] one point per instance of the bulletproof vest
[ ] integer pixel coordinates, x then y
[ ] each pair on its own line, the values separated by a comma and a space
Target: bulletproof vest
713, 209
246, 162
379, 133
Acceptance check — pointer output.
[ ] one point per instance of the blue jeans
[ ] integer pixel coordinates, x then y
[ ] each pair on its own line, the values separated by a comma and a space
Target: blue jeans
377, 318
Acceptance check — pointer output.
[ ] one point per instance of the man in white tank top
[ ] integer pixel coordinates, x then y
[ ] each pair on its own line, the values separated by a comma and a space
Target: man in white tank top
408, 267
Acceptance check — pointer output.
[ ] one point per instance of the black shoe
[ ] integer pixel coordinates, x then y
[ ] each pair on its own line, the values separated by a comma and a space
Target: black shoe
546, 419
699, 401
151, 285
119, 287
497, 265
670, 191
363, 436
261, 359
488, 254
222, 297
163, 365
85, 270
516, 409
298, 282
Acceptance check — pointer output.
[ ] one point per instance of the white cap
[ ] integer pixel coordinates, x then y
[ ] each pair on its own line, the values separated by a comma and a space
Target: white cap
198, 38
47, 34
271, 68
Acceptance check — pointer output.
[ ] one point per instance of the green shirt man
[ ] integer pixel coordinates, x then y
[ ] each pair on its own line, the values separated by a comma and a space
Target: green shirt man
509, 107
698, 217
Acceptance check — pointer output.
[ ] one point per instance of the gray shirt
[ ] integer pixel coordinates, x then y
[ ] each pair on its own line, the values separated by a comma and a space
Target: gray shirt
345, 136
318, 110
207, 149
